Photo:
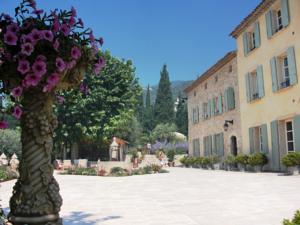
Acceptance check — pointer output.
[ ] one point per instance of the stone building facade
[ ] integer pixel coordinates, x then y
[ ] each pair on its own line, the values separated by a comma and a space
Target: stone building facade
214, 110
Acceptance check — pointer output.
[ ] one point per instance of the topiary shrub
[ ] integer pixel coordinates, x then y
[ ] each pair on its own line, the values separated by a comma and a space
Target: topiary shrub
147, 170
294, 221
257, 159
230, 162
241, 159
291, 159
171, 155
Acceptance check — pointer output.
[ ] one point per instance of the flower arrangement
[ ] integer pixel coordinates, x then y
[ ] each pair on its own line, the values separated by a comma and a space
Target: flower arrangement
44, 53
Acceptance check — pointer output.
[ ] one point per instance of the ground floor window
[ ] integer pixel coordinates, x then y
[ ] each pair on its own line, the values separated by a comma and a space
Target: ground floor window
289, 136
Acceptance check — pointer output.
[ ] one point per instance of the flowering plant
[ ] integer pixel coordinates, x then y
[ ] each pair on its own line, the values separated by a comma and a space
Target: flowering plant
44, 53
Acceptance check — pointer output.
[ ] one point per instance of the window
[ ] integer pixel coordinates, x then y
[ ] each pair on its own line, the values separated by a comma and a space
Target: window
196, 147
260, 139
251, 38
216, 78
195, 93
205, 86
215, 104
195, 117
284, 71
289, 136
230, 69
278, 18
229, 99
205, 111
255, 84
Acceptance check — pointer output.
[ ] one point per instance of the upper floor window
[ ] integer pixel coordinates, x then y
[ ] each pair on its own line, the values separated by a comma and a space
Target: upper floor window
251, 39
205, 110
229, 99
277, 18
283, 68
195, 115
255, 84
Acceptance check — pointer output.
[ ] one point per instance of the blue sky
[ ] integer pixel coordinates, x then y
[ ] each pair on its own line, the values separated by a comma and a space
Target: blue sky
188, 35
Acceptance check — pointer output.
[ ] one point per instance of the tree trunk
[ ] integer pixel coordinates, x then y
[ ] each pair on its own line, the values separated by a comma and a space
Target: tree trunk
36, 199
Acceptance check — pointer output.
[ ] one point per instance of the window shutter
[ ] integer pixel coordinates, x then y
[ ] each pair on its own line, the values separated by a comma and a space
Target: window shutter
193, 116
269, 23
203, 110
214, 144
246, 43
260, 81
209, 145
213, 107
297, 132
257, 34
221, 150
274, 74
197, 115
248, 93
226, 100
292, 65
209, 108
231, 98
264, 133
285, 13
251, 140
275, 146
205, 144
220, 104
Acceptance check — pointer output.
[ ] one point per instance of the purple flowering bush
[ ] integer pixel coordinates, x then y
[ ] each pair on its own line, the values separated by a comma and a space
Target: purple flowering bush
180, 148
44, 51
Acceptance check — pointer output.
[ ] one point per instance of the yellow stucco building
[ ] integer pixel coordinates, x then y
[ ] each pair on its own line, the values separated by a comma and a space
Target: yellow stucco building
268, 58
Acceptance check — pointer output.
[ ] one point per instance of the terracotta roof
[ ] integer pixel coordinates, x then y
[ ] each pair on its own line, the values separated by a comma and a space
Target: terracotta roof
121, 141
212, 70
252, 17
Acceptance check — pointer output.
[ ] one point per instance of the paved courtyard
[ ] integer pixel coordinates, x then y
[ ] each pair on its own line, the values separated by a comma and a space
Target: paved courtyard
182, 197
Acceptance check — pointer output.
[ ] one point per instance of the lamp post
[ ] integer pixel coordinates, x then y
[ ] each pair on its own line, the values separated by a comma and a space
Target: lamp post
226, 124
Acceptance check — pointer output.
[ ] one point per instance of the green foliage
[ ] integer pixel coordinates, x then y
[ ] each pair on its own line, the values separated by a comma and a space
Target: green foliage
164, 104
164, 132
10, 142
291, 159
147, 170
294, 221
241, 159
118, 172
103, 111
163, 171
155, 168
171, 155
181, 118
230, 160
81, 171
257, 159
148, 119
7, 174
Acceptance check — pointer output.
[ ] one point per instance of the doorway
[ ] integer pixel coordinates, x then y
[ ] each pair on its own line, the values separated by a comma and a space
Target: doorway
233, 142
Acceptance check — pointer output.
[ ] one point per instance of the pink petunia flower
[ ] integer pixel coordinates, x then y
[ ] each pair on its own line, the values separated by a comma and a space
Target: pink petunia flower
17, 112
60, 64
99, 66
71, 64
26, 39
73, 12
91, 36
17, 92
10, 38
41, 58
14, 28
38, 11
36, 35
53, 79
65, 29
56, 45
3, 125
75, 52
26, 25
48, 35
27, 49
72, 21
31, 80
24, 66
55, 26
39, 68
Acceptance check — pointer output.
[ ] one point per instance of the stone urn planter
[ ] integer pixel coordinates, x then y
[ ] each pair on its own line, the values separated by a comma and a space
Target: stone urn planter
257, 168
293, 170
241, 167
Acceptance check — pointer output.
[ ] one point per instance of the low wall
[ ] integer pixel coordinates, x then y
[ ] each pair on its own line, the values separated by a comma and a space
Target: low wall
107, 166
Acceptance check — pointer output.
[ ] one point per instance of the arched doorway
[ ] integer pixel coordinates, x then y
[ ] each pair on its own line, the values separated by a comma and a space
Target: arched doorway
233, 143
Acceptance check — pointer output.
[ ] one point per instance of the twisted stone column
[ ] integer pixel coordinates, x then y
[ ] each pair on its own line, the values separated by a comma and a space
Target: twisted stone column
36, 198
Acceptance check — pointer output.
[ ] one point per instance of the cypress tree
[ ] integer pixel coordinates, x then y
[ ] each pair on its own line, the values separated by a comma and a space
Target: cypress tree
148, 117
164, 105
181, 119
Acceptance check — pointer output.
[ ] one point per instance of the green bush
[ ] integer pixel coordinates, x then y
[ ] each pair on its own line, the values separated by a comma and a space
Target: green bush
230, 160
155, 168
214, 159
147, 170
241, 159
171, 155
257, 159
295, 220
7, 174
10, 142
291, 159
163, 171
183, 161
81, 171
118, 172
3, 175
205, 161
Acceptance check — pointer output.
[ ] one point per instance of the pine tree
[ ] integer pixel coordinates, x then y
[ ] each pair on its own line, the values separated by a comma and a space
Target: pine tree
181, 119
148, 116
164, 105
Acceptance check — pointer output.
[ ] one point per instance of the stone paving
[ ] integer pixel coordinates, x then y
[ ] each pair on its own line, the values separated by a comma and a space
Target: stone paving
182, 197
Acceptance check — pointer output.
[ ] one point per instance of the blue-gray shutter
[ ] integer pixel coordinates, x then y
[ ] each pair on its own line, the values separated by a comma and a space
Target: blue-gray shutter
257, 34
226, 100
260, 81
221, 151
297, 132
264, 133
214, 144
198, 115
285, 12
292, 65
210, 145
209, 108
246, 44
213, 107
196, 147
248, 88
231, 98
275, 146
269, 23
220, 104
251, 140
193, 118
274, 73
205, 142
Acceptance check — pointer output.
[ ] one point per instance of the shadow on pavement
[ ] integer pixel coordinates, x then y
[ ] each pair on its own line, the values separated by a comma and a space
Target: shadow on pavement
83, 219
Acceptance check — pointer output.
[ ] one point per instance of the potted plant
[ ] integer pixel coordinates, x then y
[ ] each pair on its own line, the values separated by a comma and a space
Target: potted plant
214, 161
291, 161
257, 161
41, 55
183, 161
171, 157
230, 162
205, 161
294, 221
241, 161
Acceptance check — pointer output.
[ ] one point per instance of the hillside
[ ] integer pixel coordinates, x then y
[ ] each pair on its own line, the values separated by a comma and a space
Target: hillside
177, 86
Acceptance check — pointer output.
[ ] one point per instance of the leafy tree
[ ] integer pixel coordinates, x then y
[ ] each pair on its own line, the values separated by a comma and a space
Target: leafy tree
105, 102
10, 142
164, 132
181, 118
164, 105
